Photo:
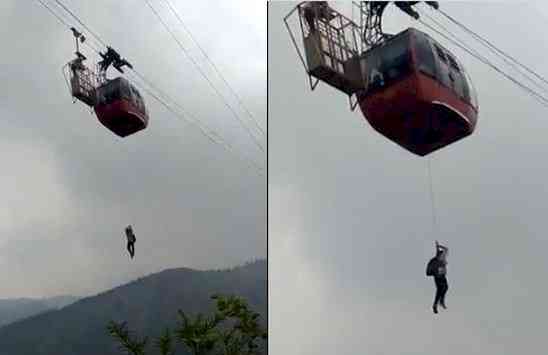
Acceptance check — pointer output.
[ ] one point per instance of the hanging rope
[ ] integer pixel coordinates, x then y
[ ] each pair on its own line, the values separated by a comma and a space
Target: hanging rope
435, 228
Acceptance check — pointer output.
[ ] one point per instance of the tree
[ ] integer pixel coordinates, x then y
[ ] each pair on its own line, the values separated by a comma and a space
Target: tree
234, 329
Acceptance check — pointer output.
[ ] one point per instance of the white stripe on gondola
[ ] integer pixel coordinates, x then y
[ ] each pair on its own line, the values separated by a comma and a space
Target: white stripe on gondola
452, 109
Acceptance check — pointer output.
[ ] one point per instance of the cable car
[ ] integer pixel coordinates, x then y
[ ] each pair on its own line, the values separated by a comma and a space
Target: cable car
416, 93
120, 107
117, 104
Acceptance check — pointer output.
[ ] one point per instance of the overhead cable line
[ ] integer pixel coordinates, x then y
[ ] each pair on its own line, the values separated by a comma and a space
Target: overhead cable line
59, 18
190, 118
209, 135
541, 99
240, 101
169, 106
255, 140
81, 23
489, 44
506, 58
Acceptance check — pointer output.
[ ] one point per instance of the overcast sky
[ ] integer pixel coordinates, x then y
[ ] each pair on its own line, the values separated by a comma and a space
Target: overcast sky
69, 186
350, 221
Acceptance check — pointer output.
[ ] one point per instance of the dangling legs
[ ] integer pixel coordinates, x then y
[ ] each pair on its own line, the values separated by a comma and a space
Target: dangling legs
131, 249
441, 290
445, 287
439, 293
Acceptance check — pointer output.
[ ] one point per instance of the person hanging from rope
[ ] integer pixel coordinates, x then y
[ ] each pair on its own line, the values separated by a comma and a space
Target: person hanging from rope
130, 241
437, 268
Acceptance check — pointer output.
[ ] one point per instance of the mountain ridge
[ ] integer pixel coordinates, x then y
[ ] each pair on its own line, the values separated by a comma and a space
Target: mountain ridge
15, 309
148, 304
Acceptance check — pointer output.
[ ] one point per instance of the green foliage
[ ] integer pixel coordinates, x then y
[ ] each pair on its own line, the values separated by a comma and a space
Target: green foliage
128, 344
234, 329
199, 335
148, 306
165, 343
242, 337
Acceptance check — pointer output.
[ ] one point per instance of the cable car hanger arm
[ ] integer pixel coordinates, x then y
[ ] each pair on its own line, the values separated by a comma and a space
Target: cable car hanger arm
371, 18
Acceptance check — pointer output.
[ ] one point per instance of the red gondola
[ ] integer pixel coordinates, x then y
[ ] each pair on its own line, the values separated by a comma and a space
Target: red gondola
409, 88
120, 107
416, 93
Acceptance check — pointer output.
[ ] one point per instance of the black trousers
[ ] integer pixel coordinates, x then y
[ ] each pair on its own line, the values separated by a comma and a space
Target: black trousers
131, 248
441, 289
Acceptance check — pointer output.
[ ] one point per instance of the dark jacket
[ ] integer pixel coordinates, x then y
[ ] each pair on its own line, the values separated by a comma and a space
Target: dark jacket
435, 267
130, 236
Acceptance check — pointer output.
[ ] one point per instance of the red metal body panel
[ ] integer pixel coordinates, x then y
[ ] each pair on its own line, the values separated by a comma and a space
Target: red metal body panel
419, 113
121, 117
